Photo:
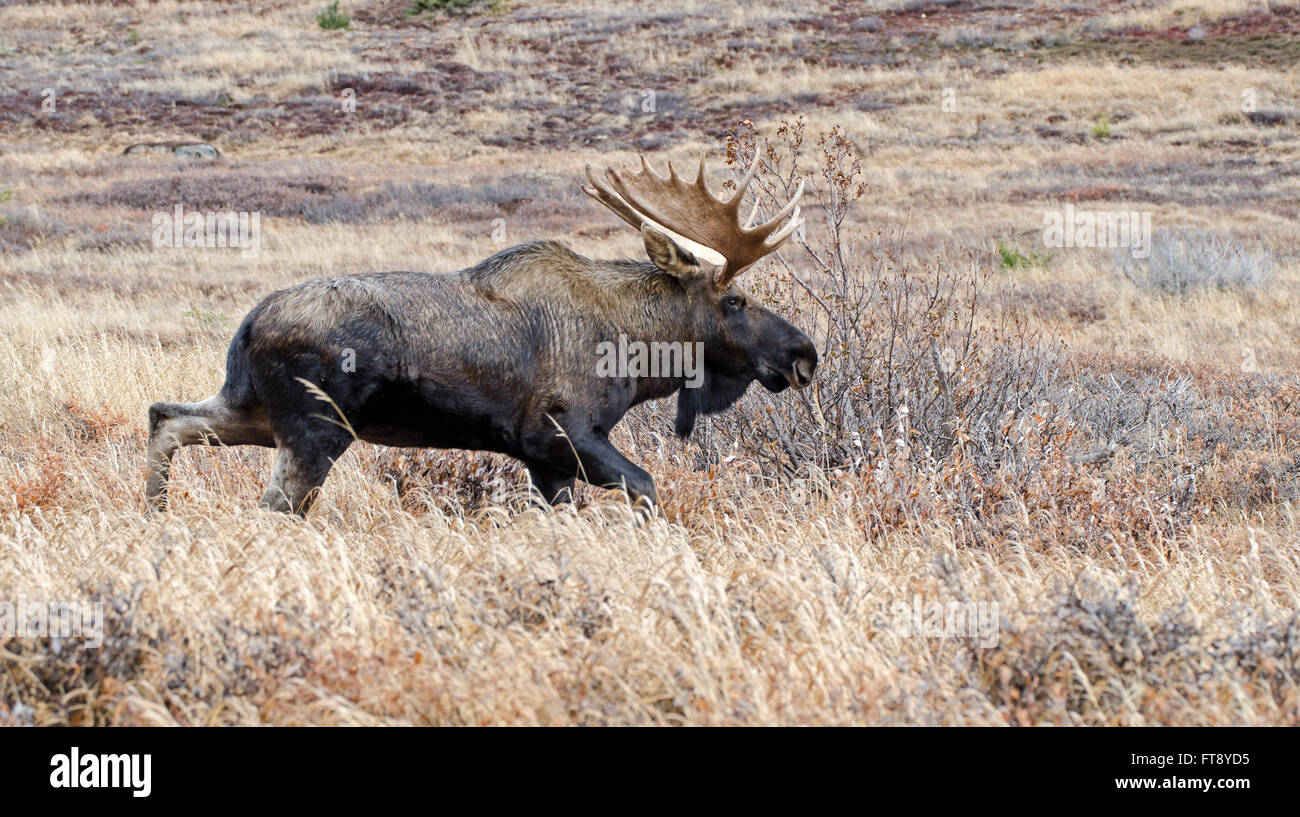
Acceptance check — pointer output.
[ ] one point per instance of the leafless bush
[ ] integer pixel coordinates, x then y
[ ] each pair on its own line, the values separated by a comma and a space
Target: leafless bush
23, 227
1092, 646
300, 196
1183, 261
915, 359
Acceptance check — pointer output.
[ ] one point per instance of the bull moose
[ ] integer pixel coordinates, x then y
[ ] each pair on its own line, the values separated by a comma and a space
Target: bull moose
500, 356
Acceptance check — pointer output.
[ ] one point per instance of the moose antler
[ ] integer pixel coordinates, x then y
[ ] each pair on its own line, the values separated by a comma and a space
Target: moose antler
688, 210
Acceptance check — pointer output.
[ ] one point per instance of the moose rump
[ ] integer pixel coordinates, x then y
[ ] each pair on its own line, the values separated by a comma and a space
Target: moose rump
341, 338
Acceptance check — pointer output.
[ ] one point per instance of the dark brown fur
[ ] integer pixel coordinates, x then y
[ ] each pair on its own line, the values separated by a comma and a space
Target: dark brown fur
498, 357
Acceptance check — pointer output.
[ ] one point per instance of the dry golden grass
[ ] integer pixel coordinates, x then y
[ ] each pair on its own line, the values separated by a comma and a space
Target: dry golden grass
1156, 585
1168, 13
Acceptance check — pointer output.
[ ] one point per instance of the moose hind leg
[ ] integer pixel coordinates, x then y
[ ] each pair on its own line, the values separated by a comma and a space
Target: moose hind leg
298, 475
172, 425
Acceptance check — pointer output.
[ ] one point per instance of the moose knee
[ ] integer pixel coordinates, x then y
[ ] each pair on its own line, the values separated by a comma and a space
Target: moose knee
159, 414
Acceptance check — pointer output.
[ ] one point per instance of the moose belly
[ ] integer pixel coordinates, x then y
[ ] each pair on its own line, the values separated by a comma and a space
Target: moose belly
403, 417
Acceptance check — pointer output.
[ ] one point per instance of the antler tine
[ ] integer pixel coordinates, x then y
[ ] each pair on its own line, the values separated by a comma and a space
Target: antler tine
744, 183
703, 185
790, 205
637, 204
650, 171
769, 245
785, 232
606, 195
771, 224
595, 185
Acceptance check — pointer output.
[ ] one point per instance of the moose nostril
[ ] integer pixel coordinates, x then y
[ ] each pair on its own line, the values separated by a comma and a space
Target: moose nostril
803, 371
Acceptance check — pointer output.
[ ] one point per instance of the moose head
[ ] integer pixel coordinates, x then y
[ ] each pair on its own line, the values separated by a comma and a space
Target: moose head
699, 239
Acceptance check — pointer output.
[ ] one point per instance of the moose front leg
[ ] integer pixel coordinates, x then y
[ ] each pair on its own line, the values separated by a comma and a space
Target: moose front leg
554, 485
605, 466
597, 462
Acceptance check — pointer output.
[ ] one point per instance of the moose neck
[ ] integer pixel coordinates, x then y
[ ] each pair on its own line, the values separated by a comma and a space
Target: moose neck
631, 302
662, 311
650, 315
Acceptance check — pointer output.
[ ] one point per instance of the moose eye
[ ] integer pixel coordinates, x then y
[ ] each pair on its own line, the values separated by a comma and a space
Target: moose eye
734, 301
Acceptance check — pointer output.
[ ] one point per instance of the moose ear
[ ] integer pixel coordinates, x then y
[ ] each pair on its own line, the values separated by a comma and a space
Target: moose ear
665, 253
678, 256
